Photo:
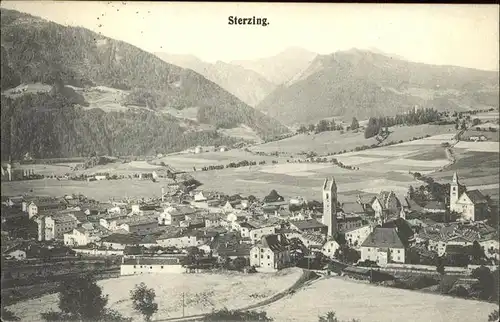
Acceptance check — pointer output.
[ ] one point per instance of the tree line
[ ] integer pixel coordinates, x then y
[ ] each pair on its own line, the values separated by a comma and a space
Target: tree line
421, 116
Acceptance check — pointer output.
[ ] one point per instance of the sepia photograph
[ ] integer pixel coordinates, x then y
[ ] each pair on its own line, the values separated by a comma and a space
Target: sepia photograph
231, 161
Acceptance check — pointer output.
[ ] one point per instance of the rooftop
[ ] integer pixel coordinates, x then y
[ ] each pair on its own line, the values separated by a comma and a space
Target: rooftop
384, 238
307, 224
476, 196
274, 242
152, 261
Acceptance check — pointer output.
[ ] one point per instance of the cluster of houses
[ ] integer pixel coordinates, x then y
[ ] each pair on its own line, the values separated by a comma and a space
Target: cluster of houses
261, 232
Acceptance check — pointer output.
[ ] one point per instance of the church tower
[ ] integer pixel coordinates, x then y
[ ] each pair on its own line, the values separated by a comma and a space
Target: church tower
454, 192
330, 206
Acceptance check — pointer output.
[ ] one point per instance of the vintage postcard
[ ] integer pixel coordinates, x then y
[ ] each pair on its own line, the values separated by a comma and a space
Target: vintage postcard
192, 161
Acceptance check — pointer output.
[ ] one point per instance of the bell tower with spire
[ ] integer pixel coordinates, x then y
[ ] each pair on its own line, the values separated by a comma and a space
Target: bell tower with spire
454, 192
330, 206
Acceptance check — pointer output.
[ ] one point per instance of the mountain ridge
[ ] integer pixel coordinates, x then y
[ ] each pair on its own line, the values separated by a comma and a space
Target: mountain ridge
281, 67
247, 85
38, 51
361, 83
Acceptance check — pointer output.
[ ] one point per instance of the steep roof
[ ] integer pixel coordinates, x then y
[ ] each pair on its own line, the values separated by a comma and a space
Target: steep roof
383, 197
383, 237
275, 243
476, 196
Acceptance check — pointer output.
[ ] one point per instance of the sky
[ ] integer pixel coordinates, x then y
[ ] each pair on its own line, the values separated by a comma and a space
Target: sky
443, 34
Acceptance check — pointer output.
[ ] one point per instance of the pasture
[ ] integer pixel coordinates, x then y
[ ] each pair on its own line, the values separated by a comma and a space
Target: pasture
370, 303
202, 293
381, 168
329, 142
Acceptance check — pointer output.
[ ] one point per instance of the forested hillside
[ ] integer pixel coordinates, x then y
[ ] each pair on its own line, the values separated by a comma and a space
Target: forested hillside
50, 126
38, 51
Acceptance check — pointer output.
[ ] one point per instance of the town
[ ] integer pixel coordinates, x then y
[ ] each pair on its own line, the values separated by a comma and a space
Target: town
193, 230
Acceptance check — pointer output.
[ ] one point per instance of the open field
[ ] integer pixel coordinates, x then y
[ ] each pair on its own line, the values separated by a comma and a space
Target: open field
478, 146
202, 293
98, 190
380, 168
487, 116
437, 153
369, 303
477, 170
243, 132
329, 142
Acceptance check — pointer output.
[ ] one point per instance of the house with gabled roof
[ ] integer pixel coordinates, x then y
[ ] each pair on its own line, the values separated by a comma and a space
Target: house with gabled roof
383, 245
386, 206
271, 253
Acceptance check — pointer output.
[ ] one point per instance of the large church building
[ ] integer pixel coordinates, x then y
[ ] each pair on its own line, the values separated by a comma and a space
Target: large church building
472, 205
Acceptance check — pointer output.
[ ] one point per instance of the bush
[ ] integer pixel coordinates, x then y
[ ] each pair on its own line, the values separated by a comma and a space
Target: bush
447, 283
227, 315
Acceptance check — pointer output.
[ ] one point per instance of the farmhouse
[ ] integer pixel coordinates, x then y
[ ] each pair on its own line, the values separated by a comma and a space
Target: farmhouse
383, 245
271, 253
145, 265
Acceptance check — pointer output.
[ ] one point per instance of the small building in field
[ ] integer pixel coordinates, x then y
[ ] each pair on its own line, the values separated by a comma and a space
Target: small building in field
271, 253
139, 265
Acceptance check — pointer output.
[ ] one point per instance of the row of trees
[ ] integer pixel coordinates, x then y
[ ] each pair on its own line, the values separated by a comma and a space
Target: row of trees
238, 164
422, 116
325, 125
